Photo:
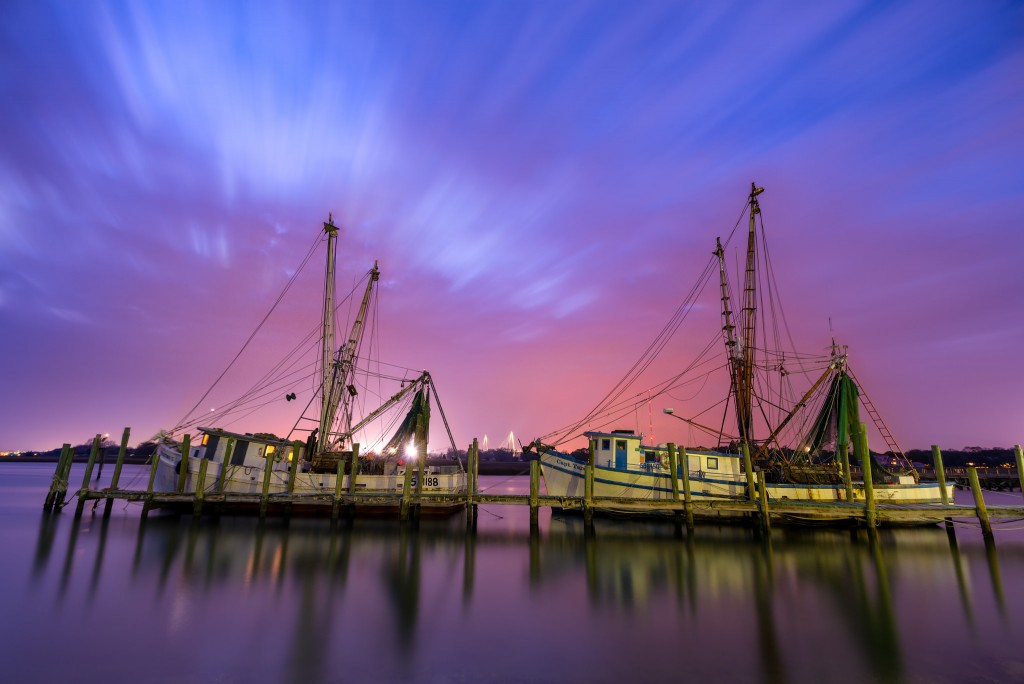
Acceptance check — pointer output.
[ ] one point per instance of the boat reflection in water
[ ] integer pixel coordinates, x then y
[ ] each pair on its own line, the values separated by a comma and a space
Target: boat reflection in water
373, 599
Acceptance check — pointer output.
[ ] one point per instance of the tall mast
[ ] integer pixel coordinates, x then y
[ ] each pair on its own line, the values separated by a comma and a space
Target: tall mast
327, 337
338, 387
727, 326
748, 325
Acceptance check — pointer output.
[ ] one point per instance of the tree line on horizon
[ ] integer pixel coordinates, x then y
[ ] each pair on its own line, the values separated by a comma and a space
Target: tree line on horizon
994, 457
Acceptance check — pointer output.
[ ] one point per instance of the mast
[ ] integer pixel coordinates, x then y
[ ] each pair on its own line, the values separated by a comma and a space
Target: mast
337, 389
741, 351
748, 324
728, 327
327, 336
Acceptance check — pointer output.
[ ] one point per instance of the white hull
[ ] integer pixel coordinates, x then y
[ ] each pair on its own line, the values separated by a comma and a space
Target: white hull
248, 479
564, 476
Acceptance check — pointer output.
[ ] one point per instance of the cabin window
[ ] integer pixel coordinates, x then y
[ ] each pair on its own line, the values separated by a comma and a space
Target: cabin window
712, 463
270, 451
206, 439
606, 444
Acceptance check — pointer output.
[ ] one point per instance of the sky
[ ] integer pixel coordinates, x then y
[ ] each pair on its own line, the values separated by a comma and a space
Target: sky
540, 182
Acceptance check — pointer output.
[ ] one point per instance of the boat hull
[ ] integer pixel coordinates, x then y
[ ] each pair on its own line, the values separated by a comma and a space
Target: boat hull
565, 477
319, 488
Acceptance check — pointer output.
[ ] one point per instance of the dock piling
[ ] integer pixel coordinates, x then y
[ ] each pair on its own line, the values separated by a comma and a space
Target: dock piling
265, 494
860, 444
534, 493
748, 467
940, 472
844, 458
51, 502
979, 503
296, 455
1020, 465
687, 499
88, 474
186, 448
762, 489
588, 486
197, 504
116, 479
339, 479
222, 476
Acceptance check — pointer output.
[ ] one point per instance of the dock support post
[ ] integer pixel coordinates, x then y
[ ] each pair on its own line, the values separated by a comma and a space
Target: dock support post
864, 456
473, 457
88, 475
116, 479
64, 479
940, 472
296, 454
224, 466
154, 462
51, 503
407, 491
979, 503
421, 461
534, 494
588, 486
197, 504
353, 478
121, 452
762, 490
338, 481
265, 494
673, 466
751, 487
844, 457
687, 499
1020, 465
186, 448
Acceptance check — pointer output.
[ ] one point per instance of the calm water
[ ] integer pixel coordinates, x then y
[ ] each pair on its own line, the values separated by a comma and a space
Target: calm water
115, 600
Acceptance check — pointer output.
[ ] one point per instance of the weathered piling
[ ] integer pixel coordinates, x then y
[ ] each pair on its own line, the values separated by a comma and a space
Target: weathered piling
673, 467
222, 477
687, 500
940, 472
339, 478
296, 454
197, 504
353, 471
265, 494
748, 467
762, 489
534, 493
588, 485
473, 457
860, 443
1020, 465
406, 492
51, 502
979, 503
121, 452
844, 459
88, 474
186, 447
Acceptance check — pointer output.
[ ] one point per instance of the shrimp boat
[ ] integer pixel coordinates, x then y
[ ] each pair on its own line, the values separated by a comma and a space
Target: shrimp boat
324, 442
813, 447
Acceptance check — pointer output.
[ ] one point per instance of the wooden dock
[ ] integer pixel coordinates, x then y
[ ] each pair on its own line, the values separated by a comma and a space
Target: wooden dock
757, 509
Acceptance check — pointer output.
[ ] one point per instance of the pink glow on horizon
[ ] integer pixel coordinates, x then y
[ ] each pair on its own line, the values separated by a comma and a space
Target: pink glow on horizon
540, 182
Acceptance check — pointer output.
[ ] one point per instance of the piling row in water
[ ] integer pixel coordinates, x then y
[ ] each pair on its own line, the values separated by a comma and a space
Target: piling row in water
756, 507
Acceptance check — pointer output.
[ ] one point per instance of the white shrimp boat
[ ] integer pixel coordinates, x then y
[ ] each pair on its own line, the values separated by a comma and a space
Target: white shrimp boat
808, 444
324, 444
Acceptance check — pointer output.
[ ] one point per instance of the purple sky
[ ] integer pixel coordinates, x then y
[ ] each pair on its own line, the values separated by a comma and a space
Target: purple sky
539, 180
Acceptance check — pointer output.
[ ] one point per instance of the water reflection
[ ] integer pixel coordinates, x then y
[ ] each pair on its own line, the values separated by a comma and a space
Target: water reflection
727, 582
